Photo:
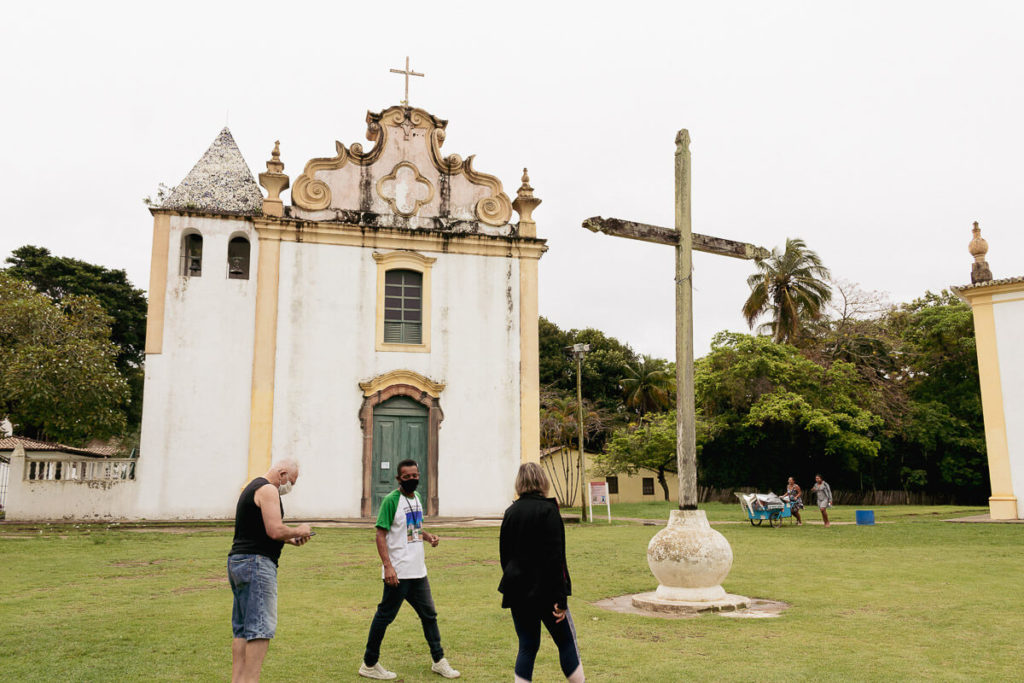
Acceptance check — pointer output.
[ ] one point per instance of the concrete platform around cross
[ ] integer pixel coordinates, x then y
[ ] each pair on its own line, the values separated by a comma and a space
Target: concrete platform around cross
650, 602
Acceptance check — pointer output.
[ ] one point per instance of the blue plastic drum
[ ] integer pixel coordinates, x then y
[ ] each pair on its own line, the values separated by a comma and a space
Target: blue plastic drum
865, 517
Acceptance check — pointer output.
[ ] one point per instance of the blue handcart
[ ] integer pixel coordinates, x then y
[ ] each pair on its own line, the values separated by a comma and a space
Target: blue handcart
765, 506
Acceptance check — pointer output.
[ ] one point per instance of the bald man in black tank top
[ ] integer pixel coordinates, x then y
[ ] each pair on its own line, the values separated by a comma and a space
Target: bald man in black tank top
260, 534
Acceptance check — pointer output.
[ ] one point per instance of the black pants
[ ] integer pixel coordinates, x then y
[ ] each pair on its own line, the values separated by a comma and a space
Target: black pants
417, 593
527, 621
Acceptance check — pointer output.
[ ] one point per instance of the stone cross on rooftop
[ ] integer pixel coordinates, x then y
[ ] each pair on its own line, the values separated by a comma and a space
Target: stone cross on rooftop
407, 72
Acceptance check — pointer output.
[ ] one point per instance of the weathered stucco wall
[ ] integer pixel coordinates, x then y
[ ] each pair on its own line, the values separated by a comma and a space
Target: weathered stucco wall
1008, 309
326, 346
195, 426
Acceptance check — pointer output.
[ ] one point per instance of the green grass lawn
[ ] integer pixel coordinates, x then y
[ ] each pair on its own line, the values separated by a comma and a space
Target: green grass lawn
915, 599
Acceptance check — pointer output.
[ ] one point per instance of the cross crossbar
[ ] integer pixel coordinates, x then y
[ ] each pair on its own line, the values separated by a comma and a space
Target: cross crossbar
406, 72
659, 235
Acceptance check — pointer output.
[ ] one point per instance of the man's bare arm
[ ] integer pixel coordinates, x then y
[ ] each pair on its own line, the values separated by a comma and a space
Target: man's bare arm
269, 502
390, 575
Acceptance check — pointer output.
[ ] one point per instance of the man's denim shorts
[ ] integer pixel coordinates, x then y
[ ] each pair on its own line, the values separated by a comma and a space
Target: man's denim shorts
253, 580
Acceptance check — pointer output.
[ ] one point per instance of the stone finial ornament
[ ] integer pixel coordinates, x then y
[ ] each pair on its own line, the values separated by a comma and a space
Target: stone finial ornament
275, 181
979, 247
525, 203
275, 165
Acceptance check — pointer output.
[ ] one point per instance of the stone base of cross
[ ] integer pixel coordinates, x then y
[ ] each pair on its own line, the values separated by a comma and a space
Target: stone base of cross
688, 557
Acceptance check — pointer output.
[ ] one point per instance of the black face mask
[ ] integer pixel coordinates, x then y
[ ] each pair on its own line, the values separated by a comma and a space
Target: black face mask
409, 485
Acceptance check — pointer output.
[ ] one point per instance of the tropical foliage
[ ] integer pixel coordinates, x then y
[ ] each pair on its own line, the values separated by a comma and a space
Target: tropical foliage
604, 366
648, 385
648, 445
791, 286
59, 277
873, 395
771, 413
58, 367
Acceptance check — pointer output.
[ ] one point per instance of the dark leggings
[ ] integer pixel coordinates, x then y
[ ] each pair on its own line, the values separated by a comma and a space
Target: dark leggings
527, 621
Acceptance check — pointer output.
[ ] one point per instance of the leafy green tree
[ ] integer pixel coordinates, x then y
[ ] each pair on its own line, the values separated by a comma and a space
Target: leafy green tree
648, 445
603, 369
59, 277
791, 286
58, 374
856, 329
555, 370
648, 386
943, 431
770, 413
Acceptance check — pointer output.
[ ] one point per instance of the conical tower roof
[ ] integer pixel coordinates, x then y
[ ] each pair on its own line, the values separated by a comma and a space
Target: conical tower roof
220, 182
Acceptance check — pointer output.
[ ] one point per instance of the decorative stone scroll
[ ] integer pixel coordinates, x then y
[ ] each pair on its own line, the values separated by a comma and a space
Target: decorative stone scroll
403, 175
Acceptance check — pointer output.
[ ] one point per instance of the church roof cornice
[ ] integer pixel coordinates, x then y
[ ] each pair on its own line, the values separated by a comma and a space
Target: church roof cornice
418, 239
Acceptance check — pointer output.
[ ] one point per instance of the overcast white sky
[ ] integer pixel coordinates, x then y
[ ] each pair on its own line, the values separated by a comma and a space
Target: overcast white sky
876, 131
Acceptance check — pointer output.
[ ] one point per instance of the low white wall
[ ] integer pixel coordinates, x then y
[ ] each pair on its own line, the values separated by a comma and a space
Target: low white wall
66, 500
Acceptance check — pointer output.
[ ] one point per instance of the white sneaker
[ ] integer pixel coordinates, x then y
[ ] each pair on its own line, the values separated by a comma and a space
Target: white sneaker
444, 668
377, 671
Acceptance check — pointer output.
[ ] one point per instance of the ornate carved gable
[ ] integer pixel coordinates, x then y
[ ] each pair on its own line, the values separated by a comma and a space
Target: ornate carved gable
403, 181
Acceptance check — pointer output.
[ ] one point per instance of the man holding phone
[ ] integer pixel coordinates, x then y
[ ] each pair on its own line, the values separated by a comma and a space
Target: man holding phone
400, 539
260, 534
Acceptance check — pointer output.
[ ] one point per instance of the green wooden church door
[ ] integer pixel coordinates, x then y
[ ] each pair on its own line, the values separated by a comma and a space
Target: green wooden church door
399, 433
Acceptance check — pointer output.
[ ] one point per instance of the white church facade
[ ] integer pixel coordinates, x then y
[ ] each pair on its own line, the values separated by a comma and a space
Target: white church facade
388, 311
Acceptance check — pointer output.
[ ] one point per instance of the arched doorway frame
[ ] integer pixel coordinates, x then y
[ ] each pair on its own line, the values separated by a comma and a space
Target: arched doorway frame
418, 388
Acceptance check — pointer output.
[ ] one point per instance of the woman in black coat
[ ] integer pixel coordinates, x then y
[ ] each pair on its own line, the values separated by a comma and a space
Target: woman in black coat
535, 579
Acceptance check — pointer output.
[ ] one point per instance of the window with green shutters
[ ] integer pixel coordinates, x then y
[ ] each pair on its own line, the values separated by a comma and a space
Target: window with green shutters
403, 307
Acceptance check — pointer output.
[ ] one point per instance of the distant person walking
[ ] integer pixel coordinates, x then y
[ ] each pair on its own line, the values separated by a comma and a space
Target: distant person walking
824, 496
535, 582
795, 497
400, 539
252, 566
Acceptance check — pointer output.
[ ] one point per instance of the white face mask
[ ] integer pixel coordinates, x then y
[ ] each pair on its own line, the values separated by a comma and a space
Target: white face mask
284, 488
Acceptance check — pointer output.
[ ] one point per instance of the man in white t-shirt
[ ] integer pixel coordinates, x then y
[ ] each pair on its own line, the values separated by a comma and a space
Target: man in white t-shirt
400, 539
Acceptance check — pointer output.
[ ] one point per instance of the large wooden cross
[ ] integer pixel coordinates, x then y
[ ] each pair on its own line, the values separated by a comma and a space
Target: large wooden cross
685, 242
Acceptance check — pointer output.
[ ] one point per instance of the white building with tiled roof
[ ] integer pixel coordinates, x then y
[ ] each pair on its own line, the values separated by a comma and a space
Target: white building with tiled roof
387, 310
44, 480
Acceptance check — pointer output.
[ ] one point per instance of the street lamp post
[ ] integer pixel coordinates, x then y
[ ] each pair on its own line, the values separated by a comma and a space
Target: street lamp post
578, 352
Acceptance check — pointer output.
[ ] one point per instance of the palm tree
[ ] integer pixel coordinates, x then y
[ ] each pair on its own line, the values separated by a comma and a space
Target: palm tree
792, 286
647, 386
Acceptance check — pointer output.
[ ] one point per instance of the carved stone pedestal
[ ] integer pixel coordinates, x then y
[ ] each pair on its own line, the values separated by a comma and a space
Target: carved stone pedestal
690, 561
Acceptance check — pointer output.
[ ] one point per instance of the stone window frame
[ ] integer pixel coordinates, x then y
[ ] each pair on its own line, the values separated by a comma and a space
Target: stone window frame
404, 260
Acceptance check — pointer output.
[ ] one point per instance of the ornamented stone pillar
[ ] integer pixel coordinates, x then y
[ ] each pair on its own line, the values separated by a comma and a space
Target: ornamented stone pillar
979, 247
524, 204
276, 182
